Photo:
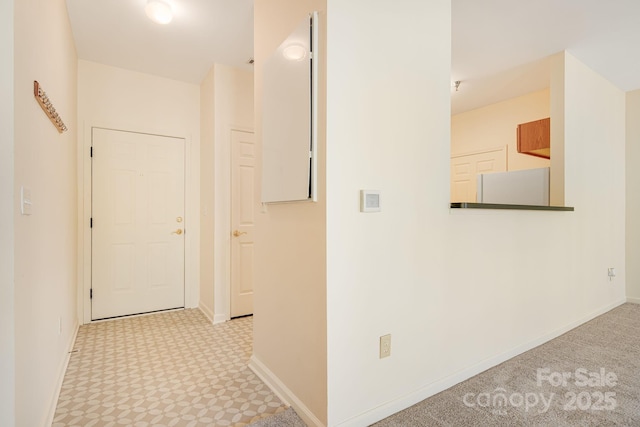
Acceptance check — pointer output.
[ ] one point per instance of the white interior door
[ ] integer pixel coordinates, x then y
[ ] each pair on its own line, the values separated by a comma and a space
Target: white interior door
138, 224
466, 167
243, 210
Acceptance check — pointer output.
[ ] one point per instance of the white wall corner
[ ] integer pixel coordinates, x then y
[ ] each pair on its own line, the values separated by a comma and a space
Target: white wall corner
7, 283
220, 318
283, 392
207, 312
62, 370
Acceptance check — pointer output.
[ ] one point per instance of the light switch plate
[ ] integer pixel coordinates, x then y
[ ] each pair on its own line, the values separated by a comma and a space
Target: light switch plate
25, 200
369, 201
385, 346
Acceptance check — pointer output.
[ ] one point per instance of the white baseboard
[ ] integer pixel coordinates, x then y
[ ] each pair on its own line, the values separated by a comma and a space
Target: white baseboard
283, 392
389, 408
633, 300
214, 318
207, 312
62, 370
220, 318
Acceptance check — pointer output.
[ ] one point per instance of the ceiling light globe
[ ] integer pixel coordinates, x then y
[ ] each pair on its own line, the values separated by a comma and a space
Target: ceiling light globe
159, 11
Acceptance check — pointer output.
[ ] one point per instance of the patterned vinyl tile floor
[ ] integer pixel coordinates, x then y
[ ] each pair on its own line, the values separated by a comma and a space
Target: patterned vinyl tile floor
166, 369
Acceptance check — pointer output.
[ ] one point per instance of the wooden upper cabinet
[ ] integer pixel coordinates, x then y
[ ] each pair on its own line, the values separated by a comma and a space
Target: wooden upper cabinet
535, 138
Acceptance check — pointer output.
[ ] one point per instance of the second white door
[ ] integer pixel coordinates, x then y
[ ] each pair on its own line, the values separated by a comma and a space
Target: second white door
138, 223
243, 210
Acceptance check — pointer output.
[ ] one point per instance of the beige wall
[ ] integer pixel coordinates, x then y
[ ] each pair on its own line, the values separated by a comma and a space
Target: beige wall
633, 196
398, 271
7, 331
495, 126
127, 100
527, 277
45, 242
226, 103
290, 319
130, 100
388, 129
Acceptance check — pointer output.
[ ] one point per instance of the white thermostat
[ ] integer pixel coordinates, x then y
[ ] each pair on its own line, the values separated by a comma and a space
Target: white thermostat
369, 201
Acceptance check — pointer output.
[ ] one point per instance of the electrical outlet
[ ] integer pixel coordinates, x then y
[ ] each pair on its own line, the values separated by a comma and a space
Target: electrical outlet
385, 346
611, 272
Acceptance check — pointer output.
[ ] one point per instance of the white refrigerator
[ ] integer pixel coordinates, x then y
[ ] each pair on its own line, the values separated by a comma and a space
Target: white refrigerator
525, 187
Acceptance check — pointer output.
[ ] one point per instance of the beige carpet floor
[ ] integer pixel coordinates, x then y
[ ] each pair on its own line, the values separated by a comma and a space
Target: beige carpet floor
589, 376
166, 369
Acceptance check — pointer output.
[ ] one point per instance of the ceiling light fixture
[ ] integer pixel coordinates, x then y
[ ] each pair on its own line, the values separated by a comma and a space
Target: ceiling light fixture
159, 11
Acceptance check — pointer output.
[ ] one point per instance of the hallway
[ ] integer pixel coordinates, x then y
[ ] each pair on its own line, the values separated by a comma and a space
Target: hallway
173, 369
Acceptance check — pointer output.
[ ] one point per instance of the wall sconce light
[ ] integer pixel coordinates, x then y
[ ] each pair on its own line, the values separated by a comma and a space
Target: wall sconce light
159, 11
295, 52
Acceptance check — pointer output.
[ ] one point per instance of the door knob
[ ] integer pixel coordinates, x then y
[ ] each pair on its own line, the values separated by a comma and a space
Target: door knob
178, 232
237, 233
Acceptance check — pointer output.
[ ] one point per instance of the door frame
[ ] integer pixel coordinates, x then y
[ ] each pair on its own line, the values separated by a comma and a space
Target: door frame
503, 149
222, 226
192, 219
234, 240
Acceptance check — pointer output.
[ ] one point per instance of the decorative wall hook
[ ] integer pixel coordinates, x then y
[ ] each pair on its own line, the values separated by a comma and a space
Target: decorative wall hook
47, 107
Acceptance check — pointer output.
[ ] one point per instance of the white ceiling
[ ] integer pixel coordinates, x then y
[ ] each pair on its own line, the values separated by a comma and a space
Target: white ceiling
498, 46
203, 32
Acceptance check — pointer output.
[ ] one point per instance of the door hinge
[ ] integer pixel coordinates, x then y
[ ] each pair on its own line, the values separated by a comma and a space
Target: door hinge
91, 154
91, 293
90, 222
